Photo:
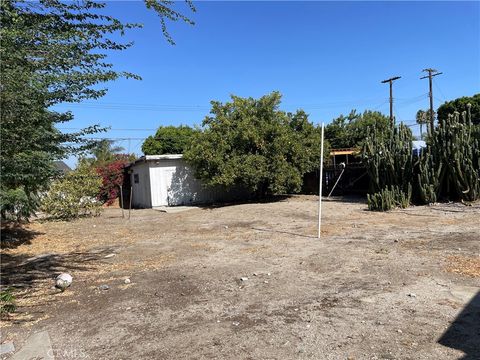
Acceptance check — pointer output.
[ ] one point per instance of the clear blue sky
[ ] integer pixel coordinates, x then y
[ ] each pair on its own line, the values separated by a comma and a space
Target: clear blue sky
324, 57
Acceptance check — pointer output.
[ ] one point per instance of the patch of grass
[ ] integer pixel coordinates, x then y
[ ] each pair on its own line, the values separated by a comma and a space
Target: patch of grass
7, 302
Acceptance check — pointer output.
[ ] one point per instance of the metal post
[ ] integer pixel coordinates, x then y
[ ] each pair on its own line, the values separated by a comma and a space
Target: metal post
121, 201
130, 202
336, 183
320, 187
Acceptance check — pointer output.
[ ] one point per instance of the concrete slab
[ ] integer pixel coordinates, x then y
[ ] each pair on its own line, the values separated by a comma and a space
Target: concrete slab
174, 209
37, 346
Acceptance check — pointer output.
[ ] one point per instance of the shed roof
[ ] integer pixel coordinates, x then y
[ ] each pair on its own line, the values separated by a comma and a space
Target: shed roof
146, 158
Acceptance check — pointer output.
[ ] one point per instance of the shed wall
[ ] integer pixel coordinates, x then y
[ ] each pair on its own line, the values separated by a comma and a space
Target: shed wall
141, 197
173, 183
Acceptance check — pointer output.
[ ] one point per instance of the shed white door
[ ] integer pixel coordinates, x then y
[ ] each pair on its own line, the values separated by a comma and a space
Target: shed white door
161, 180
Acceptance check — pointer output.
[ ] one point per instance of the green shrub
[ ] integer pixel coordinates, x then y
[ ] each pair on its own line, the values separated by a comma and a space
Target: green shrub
74, 195
16, 205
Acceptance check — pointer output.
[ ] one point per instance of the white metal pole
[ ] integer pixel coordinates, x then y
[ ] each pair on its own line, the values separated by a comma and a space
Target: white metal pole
320, 187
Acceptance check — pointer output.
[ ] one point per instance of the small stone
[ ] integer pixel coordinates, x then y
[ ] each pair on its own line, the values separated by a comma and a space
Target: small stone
226, 227
244, 279
308, 326
63, 281
268, 274
109, 256
266, 281
399, 331
218, 321
459, 249
104, 287
94, 226
127, 281
255, 274
295, 309
412, 295
235, 323
128, 308
396, 240
7, 348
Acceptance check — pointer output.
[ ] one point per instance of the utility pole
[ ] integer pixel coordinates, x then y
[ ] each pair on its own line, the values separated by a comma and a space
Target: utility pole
391, 80
431, 74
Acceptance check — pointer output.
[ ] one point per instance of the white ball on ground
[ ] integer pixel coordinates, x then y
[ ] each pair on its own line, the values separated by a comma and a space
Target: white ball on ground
63, 281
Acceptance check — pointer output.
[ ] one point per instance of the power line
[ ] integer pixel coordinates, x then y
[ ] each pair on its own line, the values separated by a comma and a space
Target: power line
166, 107
110, 129
440, 90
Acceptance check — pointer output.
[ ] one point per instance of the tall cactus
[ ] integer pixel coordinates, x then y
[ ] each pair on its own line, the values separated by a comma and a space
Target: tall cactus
389, 162
450, 166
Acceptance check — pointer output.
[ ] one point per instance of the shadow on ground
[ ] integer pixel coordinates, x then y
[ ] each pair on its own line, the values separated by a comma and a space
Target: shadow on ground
464, 333
22, 271
14, 235
270, 199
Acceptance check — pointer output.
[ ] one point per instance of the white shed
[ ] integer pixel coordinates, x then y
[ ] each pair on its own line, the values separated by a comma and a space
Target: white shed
166, 180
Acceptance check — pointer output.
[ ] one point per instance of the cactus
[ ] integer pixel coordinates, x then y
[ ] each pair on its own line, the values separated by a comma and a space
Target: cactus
450, 167
389, 162
389, 198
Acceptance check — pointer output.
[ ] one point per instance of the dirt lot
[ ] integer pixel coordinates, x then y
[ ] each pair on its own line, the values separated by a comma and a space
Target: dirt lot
376, 286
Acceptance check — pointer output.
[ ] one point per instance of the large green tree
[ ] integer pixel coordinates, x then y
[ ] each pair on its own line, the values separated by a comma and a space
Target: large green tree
169, 140
352, 130
251, 143
460, 105
51, 52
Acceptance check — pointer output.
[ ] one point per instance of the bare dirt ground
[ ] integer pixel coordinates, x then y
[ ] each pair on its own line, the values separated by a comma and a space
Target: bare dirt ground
375, 286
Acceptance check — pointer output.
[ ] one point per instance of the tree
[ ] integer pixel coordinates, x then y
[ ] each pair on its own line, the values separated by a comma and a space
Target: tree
351, 131
251, 143
52, 52
113, 174
110, 164
169, 140
104, 152
75, 194
422, 118
460, 105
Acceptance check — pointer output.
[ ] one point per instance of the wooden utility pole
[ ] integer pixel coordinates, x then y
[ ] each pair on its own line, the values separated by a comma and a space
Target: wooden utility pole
391, 80
431, 74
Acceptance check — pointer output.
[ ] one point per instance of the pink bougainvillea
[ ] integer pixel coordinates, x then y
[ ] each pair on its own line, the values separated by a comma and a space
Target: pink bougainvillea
112, 178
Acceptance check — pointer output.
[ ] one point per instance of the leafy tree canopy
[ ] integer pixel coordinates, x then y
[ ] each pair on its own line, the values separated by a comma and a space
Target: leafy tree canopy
352, 130
52, 52
105, 152
460, 105
169, 140
251, 143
